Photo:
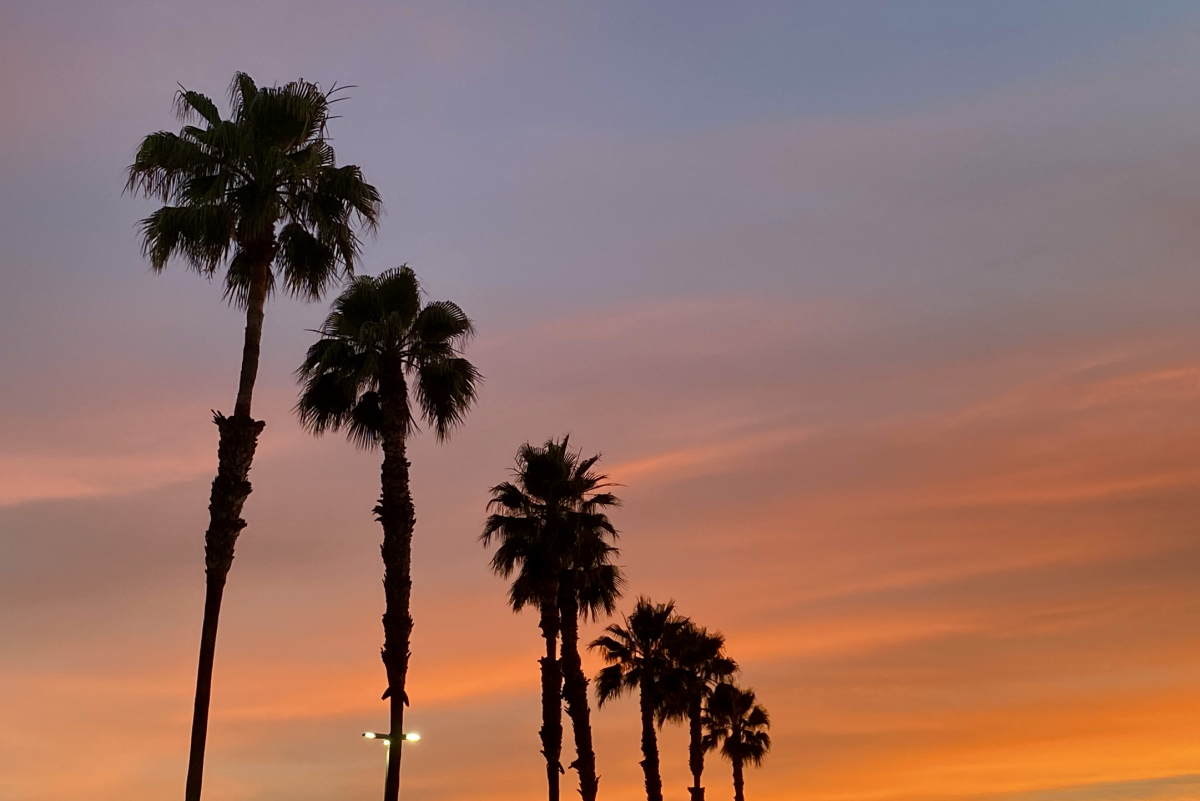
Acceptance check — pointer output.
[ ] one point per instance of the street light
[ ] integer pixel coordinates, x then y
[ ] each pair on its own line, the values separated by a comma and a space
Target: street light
387, 741
412, 737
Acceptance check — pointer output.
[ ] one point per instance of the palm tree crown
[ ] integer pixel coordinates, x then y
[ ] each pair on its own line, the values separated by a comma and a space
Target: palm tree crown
738, 724
379, 333
552, 518
700, 664
260, 185
637, 653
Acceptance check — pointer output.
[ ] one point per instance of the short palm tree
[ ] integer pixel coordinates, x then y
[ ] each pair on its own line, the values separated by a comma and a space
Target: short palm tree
701, 663
638, 659
736, 723
383, 361
554, 541
259, 195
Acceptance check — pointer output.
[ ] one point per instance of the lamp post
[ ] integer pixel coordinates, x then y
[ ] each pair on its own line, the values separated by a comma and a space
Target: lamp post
387, 738
411, 737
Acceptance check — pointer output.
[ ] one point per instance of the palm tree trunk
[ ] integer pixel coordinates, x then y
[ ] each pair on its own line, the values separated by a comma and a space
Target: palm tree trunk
695, 747
551, 732
738, 781
398, 517
256, 303
575, 686
650, 750
231, 487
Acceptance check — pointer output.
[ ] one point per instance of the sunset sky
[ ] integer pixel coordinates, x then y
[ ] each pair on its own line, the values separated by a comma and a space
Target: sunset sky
885, 314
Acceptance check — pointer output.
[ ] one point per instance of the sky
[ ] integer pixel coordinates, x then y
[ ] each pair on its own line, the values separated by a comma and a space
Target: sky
883, 314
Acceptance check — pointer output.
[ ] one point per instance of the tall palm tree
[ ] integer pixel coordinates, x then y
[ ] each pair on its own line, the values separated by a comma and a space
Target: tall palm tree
382, 361
260, 196
737, 723
638, 658
701, 664
589, 586
554, 535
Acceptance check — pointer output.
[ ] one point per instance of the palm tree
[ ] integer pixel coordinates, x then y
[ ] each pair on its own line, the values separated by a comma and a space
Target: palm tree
701, 664
738, 724
259, 195
638, 658
382, 361
553, 535
589, 585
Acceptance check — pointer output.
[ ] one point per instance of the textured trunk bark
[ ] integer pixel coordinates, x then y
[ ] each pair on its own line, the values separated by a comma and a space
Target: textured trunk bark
231, 487
255, 306
214, 589
695, 748
650, 750
575, 686
398, 517
551, 732
738, 783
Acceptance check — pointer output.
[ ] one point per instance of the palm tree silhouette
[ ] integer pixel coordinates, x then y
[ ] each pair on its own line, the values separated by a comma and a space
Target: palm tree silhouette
737, 723
260, 195
638, 658
555, 536
589, 585
381, 353
701, 663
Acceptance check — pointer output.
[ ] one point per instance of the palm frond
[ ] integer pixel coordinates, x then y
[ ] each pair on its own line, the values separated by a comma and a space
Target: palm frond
366, 421
398, 295
527, 589
202, 235
190, 106
356, 313
239, 278
327, 402
599, 589
446, 390
347, 185
165, 160
507, 495
242, 93
443, 322
308, 265
611, 683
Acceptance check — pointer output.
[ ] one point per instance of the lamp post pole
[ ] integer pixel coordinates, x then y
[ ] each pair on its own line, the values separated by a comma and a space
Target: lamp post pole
387, 742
